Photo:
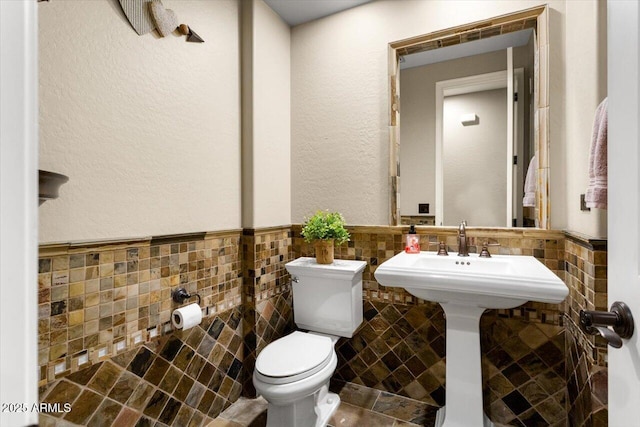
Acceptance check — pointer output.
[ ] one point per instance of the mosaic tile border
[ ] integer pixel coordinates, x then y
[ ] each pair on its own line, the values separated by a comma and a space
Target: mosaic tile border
586, 278
99, 299
264, 253
377, 244
255, 280
268, 304
586, 355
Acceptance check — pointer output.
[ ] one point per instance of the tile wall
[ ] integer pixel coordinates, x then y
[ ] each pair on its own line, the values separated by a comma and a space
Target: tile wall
586, 355
104, 323
268, 308
401, 350
401, 346
185, 378
532, 355
377, 244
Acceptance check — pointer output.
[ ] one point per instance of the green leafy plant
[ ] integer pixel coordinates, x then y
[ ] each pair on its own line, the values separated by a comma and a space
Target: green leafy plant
325, 225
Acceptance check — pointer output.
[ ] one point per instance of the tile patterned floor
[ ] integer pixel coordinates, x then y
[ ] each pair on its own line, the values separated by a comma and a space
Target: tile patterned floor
359, 406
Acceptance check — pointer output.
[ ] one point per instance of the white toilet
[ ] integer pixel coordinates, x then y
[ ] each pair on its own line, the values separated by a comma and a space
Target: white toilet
293, 372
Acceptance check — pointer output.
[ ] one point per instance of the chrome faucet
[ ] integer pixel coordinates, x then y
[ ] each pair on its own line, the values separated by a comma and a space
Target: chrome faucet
463, 250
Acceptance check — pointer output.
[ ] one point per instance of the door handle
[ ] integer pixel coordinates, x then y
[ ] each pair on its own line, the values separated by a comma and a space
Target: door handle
598, 322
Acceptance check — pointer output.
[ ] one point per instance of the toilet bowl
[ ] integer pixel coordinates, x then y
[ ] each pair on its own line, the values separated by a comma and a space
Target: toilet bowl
293, 372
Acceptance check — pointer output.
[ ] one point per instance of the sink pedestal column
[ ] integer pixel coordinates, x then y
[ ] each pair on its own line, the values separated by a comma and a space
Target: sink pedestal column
463, 395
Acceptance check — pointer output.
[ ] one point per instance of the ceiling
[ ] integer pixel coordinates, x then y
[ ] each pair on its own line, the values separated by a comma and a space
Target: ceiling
295, 12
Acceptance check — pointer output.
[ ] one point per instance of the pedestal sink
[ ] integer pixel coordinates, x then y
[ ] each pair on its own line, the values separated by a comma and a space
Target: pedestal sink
465, 287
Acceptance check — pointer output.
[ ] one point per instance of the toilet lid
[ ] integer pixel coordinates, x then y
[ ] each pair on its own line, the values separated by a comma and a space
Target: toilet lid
294, 354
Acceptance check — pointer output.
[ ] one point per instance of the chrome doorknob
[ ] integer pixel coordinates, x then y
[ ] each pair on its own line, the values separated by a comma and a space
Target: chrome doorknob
598, 322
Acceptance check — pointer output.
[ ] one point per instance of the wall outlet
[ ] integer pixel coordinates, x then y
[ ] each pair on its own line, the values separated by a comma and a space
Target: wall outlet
423, 208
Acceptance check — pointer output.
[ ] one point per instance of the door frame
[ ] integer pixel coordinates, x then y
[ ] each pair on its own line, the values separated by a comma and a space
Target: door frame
18, 212
623, 246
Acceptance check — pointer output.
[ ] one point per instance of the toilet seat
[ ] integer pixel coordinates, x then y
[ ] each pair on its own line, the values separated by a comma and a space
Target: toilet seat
293, 357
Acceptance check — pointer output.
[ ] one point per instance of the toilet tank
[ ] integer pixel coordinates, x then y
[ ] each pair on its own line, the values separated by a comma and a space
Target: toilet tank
327, 298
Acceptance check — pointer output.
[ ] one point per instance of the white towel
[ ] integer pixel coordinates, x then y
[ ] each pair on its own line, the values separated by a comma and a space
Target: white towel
530, 183
596, 196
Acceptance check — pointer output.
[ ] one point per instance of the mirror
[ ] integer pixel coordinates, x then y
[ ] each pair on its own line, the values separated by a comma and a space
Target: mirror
464, 135
469, 97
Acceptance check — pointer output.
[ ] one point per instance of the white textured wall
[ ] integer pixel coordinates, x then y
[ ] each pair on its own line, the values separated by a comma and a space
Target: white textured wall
271, 118
340, 100
339, 85
586, 86
146, 128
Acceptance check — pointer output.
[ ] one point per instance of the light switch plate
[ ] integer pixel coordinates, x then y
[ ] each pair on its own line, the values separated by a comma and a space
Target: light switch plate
583, 204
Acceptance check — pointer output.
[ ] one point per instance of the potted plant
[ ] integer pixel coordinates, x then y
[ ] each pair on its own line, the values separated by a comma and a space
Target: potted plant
323, 230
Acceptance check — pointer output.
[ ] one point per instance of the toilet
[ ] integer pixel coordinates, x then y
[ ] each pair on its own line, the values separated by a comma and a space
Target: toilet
292, 373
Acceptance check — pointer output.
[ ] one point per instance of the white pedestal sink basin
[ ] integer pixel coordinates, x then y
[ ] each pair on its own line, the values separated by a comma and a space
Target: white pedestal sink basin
465, 287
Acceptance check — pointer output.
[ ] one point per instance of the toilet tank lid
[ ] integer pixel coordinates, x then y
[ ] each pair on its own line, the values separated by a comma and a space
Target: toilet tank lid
294, 354
338, 266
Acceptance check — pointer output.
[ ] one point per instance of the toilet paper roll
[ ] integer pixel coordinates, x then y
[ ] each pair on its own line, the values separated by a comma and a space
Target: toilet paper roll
186, 317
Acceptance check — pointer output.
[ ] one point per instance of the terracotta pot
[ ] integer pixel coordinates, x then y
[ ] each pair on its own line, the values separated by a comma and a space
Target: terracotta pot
324, 251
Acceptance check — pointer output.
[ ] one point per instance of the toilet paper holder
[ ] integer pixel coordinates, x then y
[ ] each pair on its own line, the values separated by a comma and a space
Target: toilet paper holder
181, 294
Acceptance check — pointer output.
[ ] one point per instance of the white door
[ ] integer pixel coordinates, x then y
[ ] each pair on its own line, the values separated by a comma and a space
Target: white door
18, 213
623, 210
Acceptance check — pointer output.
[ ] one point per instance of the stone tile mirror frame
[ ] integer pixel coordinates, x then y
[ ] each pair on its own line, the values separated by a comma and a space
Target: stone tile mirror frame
536, 18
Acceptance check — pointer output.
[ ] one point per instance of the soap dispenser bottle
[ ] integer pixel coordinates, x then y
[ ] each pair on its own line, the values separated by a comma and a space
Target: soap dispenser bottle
413, 241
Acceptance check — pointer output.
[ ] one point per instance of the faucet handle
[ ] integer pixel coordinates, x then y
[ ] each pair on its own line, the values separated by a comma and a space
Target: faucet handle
442, 248
484, 252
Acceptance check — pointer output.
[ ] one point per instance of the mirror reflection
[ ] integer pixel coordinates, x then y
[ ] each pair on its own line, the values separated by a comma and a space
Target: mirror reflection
467, 133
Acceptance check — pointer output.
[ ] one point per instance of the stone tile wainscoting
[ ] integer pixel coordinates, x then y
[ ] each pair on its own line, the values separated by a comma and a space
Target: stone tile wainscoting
268, 310
586, 355
400, 348
108, 305
105, 341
